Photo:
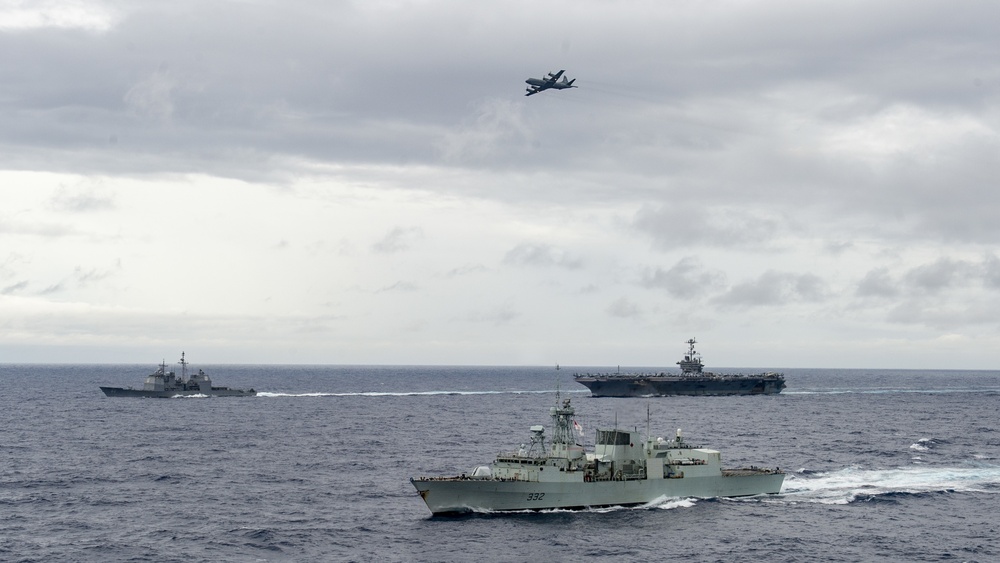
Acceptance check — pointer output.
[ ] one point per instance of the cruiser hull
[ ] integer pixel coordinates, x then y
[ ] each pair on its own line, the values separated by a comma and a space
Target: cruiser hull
651, 386
457, 495
141, 393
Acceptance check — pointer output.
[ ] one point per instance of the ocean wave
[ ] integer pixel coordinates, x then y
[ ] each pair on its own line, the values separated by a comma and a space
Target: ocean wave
670, 503
924, 444
851, 484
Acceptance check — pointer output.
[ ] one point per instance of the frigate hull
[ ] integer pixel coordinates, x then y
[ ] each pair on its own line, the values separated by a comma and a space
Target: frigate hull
457, 495
622, 469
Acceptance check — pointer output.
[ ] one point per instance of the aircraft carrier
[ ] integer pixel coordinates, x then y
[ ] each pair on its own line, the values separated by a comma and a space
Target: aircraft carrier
623, 469
162, 384
692, 380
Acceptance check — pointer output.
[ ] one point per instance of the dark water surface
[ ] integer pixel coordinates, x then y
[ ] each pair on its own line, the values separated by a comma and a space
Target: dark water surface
883, 466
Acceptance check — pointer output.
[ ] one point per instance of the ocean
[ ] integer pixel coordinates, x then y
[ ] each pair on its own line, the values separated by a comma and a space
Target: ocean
882, 465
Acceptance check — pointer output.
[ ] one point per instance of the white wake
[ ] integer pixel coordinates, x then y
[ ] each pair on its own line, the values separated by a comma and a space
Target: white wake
846, 485
411, 393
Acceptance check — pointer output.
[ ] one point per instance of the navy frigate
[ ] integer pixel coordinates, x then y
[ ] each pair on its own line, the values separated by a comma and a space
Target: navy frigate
622, 470
163, 384
692, 380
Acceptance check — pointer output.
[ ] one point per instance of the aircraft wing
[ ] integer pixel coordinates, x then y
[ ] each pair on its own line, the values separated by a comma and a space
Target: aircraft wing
532, 91
554, 77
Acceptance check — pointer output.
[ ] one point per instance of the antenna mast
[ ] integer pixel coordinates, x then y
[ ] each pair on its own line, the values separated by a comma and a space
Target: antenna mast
183, 364
648, 435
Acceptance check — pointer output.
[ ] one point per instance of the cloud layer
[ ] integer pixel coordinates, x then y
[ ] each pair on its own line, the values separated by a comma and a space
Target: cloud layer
365, 182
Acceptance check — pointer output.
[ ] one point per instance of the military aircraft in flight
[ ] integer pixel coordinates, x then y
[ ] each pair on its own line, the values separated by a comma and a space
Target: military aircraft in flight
551, 81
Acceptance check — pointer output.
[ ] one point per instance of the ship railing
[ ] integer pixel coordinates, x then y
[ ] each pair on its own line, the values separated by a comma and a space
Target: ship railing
514, 458
616, 476
466, 477
672, 445
687, 462
752, 470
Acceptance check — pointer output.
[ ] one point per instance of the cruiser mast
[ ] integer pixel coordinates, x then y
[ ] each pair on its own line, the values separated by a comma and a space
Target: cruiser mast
183, 364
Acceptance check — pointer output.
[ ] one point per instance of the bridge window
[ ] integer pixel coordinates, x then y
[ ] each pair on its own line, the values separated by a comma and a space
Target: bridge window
612, 438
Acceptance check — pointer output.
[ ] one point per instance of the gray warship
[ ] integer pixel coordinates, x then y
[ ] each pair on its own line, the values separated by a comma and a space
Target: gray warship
162, 384
622, 470
691, 381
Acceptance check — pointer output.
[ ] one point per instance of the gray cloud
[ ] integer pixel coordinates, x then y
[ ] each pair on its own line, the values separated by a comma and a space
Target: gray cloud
877, 283
846, 150
941, 274
624, 308
80, 278
687, 225
82, 199
87, 276
497, 129
500, 315
151, 97
292, 82
685, 279
466, 270
399, 286
527, 254
944, 314
940, 277
45, 229
10, 264
991, 271
54, 288
14, 288
398, 240
774, 288
943, 294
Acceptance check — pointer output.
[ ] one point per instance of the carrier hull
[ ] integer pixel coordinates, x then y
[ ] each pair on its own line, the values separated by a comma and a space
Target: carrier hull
692, 380
656, 386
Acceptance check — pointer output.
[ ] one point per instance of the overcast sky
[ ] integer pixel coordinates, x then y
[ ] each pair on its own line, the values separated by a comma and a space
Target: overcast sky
796, 184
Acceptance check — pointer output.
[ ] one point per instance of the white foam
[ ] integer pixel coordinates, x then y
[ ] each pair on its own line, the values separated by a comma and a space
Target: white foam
409, 393
886, 391
670, 503
849, 484
661, 503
